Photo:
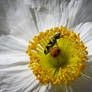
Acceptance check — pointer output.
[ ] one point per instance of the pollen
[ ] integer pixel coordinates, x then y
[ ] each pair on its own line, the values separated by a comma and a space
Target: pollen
64, 60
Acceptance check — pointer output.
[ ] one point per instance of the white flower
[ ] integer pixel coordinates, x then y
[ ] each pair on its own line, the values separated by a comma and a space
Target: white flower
20, 21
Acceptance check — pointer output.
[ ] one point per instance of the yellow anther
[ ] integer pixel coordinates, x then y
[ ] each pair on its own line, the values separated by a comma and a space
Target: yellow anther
66, 66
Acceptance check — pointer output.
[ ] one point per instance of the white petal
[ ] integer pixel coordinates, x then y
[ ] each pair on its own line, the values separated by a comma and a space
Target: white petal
14, 73
20, 22
70, 10
10, 43
76, 12
3, 21
46, 13
83, 84
84, 12
55, 13
85, 31
43, 88
56, 88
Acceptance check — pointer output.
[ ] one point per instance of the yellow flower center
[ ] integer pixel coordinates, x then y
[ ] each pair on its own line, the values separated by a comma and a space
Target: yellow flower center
57, 56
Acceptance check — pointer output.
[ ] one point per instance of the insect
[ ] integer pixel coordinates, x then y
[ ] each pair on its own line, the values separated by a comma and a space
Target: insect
51, 43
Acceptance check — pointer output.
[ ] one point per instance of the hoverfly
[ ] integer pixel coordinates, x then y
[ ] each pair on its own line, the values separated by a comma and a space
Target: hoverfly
51, 43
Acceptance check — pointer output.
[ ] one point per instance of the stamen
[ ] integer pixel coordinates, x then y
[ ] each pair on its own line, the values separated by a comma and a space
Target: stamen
57, 56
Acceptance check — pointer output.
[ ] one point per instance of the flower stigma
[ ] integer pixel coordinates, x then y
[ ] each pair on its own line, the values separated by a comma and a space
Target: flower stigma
57, 56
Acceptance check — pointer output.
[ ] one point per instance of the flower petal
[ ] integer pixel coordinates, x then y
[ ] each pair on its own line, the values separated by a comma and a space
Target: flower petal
14, 73
84, 13
77, 12
55, 13
20, 22
3, 22
83, 84
46, 13
10, 43
85, 31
